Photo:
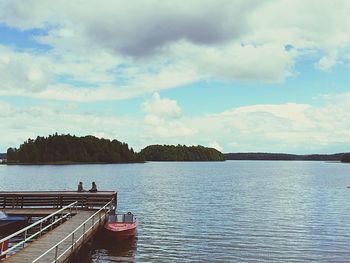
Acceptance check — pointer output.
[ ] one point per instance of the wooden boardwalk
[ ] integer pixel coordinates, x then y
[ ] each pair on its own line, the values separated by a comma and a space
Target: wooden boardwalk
50, 239
87, 212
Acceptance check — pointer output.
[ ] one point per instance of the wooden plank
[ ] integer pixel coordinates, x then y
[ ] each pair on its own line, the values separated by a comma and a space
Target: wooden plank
31, 211
39, 246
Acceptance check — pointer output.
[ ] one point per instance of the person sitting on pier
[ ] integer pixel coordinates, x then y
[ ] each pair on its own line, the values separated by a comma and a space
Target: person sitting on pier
80, 187
93, 188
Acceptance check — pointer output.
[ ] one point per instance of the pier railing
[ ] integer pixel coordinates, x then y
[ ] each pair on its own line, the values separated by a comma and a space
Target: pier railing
54, 199
78, 234
63, 213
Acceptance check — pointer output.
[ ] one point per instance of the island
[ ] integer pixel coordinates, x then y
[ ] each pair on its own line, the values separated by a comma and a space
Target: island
68, 149
346, 158
180, 153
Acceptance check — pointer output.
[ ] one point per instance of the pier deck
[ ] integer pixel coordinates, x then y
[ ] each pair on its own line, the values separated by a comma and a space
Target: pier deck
90, 212
37, 247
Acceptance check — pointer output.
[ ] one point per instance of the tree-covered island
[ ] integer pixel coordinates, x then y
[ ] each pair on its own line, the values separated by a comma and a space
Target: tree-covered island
180, 153
68, 149
65, 149
346, 158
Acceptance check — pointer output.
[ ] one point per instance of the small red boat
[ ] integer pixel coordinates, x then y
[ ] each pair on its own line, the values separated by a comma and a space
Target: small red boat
121, 226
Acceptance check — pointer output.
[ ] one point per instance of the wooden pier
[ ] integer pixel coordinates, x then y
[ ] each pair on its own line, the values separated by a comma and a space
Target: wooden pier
75, 218
54, 199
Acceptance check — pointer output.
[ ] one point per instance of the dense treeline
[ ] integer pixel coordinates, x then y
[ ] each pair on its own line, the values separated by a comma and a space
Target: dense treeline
89, 149
283, 156
346, 158
180, 153
71, 149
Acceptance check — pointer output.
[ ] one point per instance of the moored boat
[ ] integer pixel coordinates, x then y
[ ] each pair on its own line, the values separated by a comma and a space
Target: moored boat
7, 221
121, 226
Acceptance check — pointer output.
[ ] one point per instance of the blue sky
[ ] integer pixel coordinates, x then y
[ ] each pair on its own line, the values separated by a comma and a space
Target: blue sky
239, 76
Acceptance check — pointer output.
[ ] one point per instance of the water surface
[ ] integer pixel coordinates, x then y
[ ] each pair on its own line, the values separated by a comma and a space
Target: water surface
233, 211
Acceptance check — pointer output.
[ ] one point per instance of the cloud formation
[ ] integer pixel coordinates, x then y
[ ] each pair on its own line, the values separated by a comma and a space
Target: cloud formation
162, 107
290, 127
116, 50
127, 49
22, 72
133, 28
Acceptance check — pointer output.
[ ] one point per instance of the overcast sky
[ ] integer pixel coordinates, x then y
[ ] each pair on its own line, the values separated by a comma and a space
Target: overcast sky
240, 76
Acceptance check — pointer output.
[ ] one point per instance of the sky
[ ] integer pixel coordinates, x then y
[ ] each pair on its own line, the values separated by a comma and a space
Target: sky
236, 75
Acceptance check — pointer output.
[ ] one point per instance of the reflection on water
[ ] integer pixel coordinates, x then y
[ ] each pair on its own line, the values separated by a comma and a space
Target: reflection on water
234, 211
107, 249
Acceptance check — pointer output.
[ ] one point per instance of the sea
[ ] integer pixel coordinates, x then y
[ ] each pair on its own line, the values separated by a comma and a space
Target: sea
232, 211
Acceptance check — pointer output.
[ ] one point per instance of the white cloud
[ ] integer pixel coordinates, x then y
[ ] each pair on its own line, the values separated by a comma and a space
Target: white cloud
114, 50
124, 50
22, 72
162, 107
90, 78
237, 61
215, 145
291, 127
307, 25
163, 120
327, 62
20, 123
132, 28
15, 13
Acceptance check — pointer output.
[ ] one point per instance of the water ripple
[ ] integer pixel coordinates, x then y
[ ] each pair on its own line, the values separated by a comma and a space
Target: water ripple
235, 211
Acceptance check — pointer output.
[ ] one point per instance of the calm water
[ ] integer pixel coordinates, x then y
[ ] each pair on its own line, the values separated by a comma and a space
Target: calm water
234, 211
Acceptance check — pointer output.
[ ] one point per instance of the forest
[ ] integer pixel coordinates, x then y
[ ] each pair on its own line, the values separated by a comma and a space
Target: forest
63, 149
284, 156
346, 158
72, 149
180, 153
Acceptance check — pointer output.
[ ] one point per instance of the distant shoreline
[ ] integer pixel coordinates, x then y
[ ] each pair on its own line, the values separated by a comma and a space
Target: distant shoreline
337, 157
63, 163
283, 157
92, 163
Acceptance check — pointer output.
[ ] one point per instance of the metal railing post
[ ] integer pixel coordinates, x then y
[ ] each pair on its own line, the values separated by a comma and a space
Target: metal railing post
72, 241
25, 238
52, 222
41, 226
84, 231
56, 253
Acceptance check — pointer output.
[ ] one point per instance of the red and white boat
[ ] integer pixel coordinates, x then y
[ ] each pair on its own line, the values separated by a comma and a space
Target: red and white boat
121, 226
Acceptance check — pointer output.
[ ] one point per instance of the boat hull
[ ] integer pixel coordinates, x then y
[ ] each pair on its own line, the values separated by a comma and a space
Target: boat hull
3, 247
121, 231
10, 223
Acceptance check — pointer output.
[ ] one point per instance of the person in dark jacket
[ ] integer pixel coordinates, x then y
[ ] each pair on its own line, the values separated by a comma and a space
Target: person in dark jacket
80, 187
93, 188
